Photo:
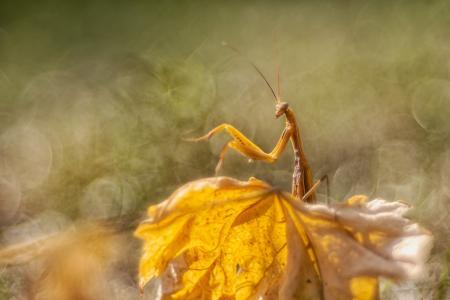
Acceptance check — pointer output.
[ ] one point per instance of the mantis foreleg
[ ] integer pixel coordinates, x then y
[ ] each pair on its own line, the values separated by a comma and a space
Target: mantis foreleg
245, 146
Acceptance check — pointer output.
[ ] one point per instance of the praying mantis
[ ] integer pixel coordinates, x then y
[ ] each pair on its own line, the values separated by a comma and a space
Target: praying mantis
302, 178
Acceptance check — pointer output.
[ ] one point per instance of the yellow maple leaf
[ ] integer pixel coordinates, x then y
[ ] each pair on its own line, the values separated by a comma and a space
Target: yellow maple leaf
220, 238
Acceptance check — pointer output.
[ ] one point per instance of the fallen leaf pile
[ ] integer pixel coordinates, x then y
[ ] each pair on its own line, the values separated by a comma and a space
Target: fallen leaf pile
220, 238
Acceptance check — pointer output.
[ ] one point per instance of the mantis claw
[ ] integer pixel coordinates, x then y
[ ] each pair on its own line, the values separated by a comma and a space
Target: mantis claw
199, 139
218, 167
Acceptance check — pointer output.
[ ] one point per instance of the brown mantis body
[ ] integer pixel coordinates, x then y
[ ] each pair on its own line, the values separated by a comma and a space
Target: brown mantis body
302, 179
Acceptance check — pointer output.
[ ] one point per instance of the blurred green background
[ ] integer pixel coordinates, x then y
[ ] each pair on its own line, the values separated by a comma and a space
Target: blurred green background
96, 97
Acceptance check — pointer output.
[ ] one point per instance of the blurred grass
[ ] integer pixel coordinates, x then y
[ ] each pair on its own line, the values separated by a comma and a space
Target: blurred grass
95, 98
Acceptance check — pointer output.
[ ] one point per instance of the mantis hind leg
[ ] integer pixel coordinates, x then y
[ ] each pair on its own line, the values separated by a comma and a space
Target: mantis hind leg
311, 192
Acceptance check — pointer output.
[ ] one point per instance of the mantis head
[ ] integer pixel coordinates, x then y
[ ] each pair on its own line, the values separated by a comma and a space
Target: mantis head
281, 108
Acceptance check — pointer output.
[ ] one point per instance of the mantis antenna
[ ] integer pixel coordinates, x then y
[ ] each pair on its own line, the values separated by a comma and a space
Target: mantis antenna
278, 83
225, 44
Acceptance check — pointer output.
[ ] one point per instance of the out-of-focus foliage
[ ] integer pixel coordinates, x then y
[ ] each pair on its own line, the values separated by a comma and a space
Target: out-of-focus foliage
78, 263
220, 238
96, 96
